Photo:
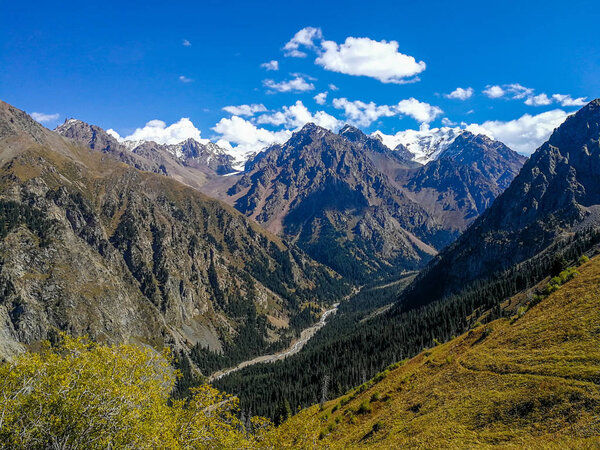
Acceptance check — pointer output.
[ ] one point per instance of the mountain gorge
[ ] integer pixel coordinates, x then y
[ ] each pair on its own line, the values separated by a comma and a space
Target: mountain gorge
346, 199
511, 258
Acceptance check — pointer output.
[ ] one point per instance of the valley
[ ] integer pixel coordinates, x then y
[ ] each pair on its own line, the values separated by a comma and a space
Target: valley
295, 347
330, 268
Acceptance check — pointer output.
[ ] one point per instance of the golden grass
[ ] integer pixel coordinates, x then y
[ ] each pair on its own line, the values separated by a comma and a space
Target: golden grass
531, 382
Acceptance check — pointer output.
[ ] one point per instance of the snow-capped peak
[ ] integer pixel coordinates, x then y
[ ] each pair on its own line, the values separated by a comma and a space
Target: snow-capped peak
425, 144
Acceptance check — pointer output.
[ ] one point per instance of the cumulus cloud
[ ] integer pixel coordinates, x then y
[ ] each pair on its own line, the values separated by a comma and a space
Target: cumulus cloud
538, 100
43, 118
447, 122
494, 91
567, 100
245, 110
298, 115
364, 114
333, 87
460, 93
158, 131
321, 98
271, 65
512, 90
242, 138
306, 37
524, 134
517, 91
365, 57
420, 111
297, 84
361, 113
563, 100
186, 43
185, 79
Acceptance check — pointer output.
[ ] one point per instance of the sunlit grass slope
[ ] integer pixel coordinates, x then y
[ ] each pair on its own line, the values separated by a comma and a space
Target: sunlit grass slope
527, 382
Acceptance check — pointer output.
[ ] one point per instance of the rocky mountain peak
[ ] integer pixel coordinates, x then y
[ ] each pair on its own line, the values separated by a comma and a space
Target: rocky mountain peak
93, 136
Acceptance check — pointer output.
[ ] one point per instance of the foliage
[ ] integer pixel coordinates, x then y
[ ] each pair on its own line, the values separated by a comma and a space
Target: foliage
80, 394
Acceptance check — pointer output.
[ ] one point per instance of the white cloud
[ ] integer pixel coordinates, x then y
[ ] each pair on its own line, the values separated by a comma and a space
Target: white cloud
538, 100
512, 90
460, 93
524, 134
185, 79
297, 84
448, 123
297, 115
42, 117
186, 43
364, 114
567, 100
114, 134
321, 98
563, 100
518, 91
361, 113
333, 87
158, 131
494, 91
303, 38
242, 138
365, 57
271, 65
245, 110
420, 111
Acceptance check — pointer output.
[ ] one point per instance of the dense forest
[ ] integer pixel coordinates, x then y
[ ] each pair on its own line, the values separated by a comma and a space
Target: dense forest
350, 350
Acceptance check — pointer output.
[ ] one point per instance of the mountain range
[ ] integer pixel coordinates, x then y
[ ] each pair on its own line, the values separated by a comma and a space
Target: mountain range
365, 210
520, 250
90, 245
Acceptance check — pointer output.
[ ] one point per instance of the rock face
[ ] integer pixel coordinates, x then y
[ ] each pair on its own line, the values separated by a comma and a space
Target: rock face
93, 246
556, 193
326, 193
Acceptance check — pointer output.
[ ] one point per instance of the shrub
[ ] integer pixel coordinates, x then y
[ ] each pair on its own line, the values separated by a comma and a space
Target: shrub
375, 397
364, 408
87, 395
377, 426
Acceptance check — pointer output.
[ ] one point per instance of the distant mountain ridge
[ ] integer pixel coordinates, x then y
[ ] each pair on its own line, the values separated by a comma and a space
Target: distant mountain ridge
189, 161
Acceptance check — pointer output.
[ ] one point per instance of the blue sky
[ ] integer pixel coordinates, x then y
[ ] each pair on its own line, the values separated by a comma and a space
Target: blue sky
121, 66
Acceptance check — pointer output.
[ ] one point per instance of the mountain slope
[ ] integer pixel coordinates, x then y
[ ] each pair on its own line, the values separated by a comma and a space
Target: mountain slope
325, 193
525, 382
555, 194
93, 246
463, 181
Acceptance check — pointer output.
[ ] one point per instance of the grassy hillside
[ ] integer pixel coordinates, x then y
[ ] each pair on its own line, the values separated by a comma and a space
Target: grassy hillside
528, 381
